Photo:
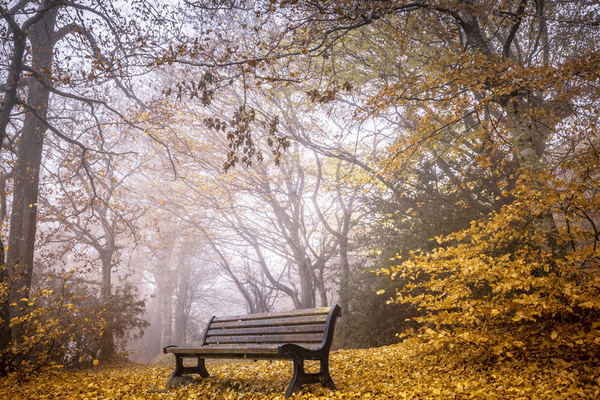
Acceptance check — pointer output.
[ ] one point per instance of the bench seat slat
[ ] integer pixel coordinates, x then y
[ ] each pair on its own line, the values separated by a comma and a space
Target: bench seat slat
231, 351
300, 338
267, 330
306, 320
225, 350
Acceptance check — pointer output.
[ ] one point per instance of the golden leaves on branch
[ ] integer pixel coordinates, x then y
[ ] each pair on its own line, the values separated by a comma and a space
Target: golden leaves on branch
495, 292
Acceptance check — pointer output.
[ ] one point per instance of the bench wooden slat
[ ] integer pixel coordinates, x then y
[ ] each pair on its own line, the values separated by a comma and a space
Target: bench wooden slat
304, 320
267, 330
294, 313
301, 338
249, 352
225, 350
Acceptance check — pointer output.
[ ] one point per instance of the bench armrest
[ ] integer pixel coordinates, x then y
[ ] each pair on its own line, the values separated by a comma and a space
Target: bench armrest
166, 347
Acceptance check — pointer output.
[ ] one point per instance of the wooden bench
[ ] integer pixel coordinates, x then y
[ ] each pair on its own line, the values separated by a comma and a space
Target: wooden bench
298, 336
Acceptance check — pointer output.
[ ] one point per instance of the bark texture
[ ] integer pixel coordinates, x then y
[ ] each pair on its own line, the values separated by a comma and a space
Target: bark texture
21, 241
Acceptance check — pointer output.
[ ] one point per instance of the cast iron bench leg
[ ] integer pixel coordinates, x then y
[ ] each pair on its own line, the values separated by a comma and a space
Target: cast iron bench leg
324, 375
302, 378
180, 369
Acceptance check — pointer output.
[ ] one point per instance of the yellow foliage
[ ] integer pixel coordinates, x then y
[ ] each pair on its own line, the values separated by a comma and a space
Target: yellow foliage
498, 292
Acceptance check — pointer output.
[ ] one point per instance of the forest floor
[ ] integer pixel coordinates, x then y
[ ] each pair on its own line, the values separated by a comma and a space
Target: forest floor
392, 372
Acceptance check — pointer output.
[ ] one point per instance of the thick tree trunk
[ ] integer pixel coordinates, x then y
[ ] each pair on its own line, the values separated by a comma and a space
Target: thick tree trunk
306, 283
21, 240
320, 284
106, 257
524, 138
522, 129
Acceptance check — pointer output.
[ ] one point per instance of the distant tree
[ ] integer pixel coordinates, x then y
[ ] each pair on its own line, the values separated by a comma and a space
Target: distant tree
93, 216
177, 270
254, 286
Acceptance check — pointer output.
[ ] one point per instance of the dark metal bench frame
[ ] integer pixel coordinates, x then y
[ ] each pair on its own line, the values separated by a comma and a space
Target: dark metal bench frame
298, 335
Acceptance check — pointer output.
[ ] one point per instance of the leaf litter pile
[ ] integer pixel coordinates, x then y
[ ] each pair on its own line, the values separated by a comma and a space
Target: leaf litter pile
405, 371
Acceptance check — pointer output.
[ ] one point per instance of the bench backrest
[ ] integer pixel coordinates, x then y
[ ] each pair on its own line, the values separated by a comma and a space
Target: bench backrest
309, 328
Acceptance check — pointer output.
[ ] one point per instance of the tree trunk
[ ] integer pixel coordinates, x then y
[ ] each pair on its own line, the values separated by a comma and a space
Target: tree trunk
106, 256
182, 297
166, 336
180, 324
524, 142
517, 119
4, 311
344, 274
107, 342
21, 242
307, 285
